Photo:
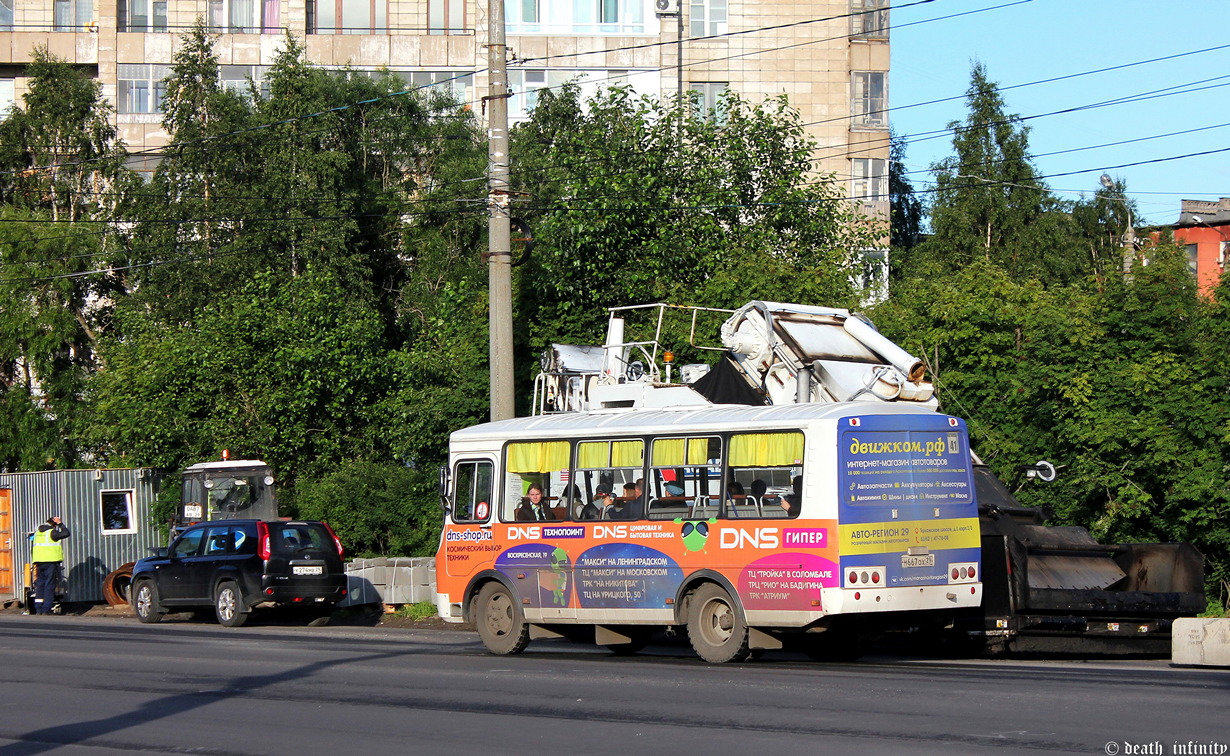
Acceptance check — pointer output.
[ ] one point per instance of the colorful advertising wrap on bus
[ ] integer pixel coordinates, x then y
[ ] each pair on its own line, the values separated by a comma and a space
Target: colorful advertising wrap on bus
906, 500
587, 571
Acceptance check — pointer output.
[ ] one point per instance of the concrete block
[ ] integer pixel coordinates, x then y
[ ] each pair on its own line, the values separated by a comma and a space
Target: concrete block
1200, 641
395, 580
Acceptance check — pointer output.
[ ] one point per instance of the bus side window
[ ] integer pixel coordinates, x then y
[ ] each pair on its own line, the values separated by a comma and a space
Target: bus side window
472, 500
540, 465
685, 477
769, 466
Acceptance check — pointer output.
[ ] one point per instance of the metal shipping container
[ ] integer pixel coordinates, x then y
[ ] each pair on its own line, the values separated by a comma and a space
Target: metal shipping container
107, 512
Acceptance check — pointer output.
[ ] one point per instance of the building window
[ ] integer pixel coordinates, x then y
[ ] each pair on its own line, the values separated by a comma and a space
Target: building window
870, 179
8, 97
446, 16
238, 78
349, 17
708, 18
117, 514
141, 87
242, 16
1193, 257
523, 15
72, 15
525, 84
869, 99
459, 83
869, 19
6, 15
142, 15
606, 16
575, 16
707, 99
271, 17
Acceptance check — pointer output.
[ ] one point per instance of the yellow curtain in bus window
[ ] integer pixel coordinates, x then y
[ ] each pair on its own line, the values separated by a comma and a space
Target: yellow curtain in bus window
766, 449
538, 456
670, 452
592, 455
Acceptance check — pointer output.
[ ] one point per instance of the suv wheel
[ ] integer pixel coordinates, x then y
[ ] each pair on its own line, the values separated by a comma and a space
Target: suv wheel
228, 604
145, 602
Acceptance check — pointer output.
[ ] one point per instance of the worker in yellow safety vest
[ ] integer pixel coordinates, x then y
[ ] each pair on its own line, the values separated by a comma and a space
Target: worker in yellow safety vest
46, 552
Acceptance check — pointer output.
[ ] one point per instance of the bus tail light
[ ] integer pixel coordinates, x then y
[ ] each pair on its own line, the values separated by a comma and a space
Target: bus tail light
865, 576
963, 572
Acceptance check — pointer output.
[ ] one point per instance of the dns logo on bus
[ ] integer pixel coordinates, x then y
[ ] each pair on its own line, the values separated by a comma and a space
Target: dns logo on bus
753, 538
527, 532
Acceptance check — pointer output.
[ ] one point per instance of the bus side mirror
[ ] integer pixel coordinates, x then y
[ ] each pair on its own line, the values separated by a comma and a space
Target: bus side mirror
443, 489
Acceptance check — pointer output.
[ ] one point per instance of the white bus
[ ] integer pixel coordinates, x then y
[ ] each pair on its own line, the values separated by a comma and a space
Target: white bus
752, 527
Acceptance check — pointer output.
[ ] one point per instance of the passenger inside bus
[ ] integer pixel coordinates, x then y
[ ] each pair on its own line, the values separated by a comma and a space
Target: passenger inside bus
758, 489
571, 501
599, 508
533, 507
627, 507
792, 501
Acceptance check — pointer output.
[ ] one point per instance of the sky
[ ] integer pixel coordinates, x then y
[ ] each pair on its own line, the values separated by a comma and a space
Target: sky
1024, 41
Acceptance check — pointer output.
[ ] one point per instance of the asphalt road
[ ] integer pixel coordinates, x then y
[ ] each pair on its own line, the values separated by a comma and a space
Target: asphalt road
83, 685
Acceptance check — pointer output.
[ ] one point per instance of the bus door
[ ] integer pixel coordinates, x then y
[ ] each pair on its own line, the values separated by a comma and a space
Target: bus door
469, 541
907, 508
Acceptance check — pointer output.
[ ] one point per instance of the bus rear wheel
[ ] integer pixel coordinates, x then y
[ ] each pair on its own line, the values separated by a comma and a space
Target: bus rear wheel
716, 627
501, 625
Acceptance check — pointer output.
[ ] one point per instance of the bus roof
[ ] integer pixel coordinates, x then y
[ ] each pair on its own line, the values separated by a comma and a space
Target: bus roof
683, 419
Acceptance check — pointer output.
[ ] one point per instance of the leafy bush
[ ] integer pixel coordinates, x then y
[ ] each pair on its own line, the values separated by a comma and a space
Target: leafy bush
377, 509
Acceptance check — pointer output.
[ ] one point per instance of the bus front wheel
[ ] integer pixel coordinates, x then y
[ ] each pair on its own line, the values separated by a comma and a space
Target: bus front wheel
716, 627
501, 625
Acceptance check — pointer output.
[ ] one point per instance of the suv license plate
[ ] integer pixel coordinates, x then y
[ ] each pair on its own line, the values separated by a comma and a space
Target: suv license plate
918, 560
311, 569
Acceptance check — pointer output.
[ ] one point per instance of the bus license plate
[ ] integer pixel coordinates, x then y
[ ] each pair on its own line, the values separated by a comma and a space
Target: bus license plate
312, 569
918, 560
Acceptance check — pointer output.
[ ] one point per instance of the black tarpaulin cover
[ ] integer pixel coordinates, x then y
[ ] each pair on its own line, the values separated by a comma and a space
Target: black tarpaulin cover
725, 384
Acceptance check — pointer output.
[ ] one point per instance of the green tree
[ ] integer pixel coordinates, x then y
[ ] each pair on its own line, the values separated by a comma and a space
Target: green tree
989, 203
905, 206
59, 153
61, 180
1118, 386
375, 509
632, 203
267, 314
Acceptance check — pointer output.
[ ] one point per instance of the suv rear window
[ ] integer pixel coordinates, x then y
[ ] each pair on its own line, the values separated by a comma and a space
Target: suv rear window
291, 537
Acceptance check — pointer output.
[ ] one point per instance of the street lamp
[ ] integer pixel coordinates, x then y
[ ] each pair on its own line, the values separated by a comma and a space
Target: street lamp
1129, 236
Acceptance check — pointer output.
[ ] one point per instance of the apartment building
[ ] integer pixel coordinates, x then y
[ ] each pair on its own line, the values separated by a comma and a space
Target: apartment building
831, 57
1203, 231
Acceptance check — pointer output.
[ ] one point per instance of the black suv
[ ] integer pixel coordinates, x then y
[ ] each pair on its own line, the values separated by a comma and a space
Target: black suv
237, 565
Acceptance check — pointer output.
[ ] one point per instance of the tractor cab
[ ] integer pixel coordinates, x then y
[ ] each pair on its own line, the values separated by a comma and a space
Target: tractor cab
227, 490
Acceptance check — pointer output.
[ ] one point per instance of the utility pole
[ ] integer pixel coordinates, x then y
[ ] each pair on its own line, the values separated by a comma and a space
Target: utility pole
499, 242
